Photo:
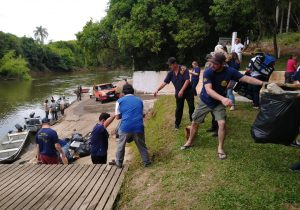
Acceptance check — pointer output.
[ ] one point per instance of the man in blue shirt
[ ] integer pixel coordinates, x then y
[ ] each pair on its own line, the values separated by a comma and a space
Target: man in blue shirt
129, 109
213, 98
195, 73
99, 139
47, 144
183, 90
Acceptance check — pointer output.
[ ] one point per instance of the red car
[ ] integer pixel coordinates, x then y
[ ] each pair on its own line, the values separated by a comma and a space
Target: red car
105, 92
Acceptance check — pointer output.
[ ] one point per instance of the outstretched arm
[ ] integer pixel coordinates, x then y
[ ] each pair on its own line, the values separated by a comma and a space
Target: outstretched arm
251, 80
159, 88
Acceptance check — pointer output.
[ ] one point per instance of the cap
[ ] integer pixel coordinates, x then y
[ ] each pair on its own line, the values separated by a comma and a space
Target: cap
45, 120
218, 58
208, 56
171, 60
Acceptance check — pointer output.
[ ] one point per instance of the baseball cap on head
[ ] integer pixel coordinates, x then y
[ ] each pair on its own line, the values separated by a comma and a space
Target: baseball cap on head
171, 60
218, 58
45, 120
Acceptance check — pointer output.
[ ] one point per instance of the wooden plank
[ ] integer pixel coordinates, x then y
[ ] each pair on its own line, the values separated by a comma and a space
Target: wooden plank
14, 183
109, 189
33, 190
96, 187
5, 168
110, 202
14, 174
87, 190
51, 188
101, 190
23, 193
11, 193
6, 173
60, 203
58, 191
83, 186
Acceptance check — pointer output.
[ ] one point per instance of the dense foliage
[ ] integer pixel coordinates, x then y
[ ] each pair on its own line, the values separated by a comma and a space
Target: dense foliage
57, 56
144, 33
148, 31
12, 66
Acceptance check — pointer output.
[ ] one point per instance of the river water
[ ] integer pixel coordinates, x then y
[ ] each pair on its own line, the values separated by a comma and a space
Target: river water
19, 98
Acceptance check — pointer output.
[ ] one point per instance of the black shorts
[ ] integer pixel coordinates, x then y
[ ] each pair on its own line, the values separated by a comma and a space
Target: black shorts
99, 159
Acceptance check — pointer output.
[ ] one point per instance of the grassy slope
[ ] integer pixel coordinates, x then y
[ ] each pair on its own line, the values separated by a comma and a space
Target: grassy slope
254, 176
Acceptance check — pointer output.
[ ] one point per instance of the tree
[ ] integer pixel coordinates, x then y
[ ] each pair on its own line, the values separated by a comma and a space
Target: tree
40, 34
12, 66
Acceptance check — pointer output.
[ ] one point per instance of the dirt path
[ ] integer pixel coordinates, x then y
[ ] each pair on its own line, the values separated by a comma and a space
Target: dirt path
82, 116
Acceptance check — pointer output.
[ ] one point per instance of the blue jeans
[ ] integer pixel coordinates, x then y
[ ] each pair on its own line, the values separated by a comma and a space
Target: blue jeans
230, 95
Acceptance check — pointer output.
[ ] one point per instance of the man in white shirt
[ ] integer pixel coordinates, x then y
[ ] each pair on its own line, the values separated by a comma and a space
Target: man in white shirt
238, 48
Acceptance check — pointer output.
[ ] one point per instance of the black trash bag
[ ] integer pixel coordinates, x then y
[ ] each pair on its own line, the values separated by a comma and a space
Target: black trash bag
278, 120
84, 149
77, 137
243, 89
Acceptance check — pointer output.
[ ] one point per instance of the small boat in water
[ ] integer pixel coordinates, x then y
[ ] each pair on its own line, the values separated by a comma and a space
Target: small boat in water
32, 123
12, 145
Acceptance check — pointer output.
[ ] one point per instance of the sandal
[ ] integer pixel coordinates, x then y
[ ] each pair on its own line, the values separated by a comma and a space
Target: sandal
186, 147
221, 155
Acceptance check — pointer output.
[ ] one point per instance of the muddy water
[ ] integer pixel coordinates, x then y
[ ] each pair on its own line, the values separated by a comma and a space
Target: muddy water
19, 98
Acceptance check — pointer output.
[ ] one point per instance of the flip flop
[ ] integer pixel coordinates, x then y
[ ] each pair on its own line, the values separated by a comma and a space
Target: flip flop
186, 147
221, 155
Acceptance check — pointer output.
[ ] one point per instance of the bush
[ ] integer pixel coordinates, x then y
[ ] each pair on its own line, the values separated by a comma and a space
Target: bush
12, 67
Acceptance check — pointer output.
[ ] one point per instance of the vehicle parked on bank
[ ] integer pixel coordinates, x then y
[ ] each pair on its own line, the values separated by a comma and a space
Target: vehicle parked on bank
105, 92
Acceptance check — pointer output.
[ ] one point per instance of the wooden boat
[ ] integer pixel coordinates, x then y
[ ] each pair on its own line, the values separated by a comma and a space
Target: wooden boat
12, 145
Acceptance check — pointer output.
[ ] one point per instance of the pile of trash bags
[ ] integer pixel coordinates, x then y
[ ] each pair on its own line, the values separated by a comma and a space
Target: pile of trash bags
76, 146
278, 120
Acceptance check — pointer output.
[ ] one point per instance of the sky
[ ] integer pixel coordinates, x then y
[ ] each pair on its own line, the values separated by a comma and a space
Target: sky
62, 18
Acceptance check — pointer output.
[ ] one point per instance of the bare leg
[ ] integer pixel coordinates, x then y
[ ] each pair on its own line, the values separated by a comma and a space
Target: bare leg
221, 136
193, 131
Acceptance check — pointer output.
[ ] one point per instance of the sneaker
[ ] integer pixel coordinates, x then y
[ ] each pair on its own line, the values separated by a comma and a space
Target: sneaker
231, 108
176, 127
255, 107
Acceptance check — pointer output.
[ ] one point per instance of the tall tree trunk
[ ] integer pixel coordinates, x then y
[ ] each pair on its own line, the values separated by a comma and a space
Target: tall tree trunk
277, 12
281, 22
275, 30
288, 17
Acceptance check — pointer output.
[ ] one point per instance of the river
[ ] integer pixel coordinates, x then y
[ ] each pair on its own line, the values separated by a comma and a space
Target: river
19, 98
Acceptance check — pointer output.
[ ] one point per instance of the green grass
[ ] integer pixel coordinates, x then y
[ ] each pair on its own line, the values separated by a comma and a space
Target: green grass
254, 176
290, 38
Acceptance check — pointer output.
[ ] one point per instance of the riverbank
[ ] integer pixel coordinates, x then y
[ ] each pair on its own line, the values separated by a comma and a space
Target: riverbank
82, 116
254, 176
